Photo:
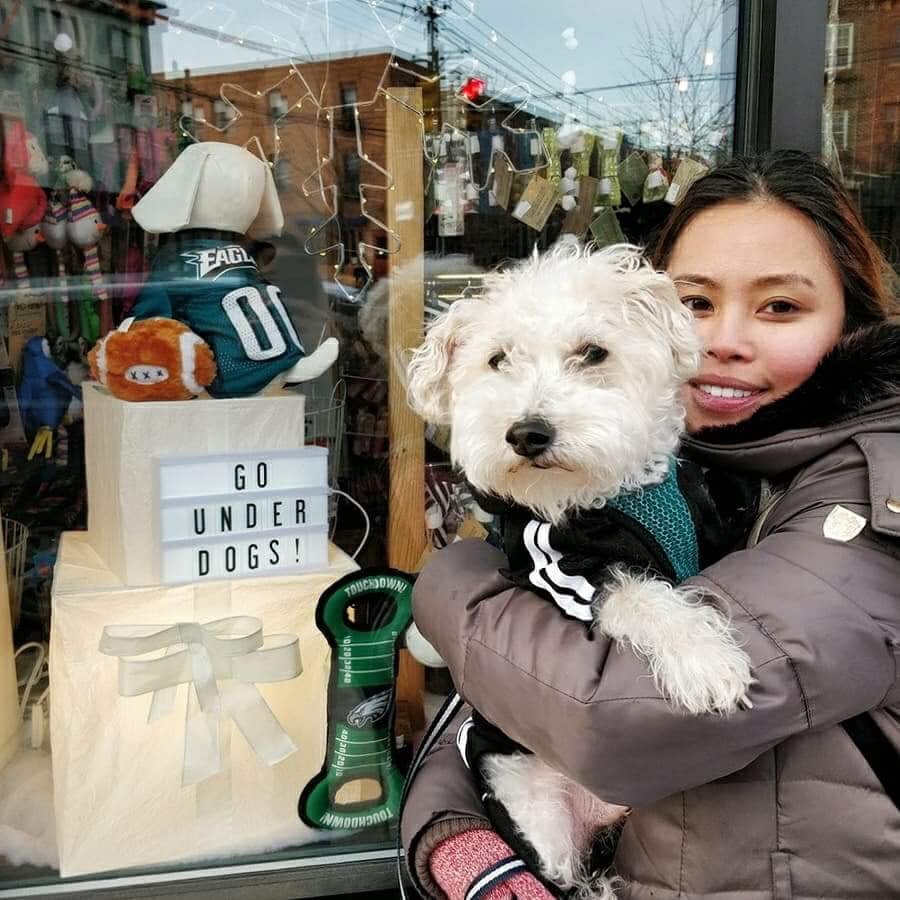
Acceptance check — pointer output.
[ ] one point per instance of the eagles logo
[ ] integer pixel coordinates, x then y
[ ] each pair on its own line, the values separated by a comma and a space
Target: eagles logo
219, 258
371, 710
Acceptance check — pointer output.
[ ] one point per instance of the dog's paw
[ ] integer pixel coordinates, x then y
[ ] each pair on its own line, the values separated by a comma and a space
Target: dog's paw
599, 887
710, 675
691, 649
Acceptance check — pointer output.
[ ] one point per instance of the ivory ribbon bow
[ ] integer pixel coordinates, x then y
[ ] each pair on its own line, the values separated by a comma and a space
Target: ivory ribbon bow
223, 660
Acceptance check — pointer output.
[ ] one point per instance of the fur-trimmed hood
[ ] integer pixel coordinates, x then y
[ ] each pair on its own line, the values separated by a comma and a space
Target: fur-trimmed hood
855, 389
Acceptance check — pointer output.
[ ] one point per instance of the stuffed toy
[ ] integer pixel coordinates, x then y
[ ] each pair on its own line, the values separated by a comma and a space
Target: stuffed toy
45, 396
53, 227
15, 142
154, 359
37, 165
54, 230
22, 199
84, 228
19, 244
75, 316
213, 197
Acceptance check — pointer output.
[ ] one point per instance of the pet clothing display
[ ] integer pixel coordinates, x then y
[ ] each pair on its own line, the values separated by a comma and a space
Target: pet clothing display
209, 282
211, 197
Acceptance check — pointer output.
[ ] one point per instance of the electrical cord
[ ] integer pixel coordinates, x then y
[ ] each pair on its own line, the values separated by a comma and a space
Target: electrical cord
359, 506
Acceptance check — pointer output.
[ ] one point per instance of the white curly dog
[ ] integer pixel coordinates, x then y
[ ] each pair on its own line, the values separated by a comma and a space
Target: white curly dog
595, 346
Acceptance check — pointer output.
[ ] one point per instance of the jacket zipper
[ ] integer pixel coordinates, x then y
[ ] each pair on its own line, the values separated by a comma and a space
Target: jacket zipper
773, 501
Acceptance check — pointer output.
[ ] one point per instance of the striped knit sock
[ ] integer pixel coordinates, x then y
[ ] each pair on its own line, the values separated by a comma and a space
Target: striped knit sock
479, 865
92, 267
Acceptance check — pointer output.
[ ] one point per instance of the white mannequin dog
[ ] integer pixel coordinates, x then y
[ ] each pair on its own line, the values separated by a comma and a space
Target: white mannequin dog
223, 187
595, 345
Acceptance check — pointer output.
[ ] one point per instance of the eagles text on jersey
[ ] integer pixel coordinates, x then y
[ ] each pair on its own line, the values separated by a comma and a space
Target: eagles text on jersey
213, 285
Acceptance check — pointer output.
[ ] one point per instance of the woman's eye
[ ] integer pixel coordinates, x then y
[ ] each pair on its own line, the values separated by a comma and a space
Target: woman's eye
697, 304
496, 359
781, 307
592, 354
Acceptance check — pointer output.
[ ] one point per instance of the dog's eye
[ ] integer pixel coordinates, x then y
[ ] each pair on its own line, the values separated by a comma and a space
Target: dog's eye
496, 359
592, 354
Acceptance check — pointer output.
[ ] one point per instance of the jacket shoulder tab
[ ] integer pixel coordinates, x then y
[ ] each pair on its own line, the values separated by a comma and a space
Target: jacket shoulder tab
882, 453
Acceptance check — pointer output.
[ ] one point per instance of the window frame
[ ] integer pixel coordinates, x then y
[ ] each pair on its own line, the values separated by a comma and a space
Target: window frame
845, 117
835, 29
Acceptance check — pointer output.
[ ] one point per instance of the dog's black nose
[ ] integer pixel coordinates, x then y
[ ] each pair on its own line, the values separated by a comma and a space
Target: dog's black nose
530, 437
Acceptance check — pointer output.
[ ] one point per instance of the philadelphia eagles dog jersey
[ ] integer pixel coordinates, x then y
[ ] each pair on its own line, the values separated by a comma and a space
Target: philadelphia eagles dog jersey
653, 530
666, 530
207, 280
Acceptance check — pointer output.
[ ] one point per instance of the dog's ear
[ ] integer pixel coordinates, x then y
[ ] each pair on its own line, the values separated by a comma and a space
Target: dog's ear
655, 296
674, 322
428, 373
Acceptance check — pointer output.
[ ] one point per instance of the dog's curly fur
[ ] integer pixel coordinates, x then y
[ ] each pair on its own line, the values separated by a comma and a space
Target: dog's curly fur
617, 423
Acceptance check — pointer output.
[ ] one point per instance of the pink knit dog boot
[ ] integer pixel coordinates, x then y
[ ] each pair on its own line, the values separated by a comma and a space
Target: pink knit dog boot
479, 865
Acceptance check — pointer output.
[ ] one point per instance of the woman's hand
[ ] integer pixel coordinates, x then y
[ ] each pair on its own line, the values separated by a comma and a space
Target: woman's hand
479, 859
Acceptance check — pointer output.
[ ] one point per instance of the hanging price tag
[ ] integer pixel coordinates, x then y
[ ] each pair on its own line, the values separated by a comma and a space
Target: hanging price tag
537, 203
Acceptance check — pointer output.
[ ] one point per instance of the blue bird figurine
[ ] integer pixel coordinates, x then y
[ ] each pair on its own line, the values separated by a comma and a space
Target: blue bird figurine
45, 395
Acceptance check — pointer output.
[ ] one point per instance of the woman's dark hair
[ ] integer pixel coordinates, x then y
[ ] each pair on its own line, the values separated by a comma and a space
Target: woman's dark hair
805, 184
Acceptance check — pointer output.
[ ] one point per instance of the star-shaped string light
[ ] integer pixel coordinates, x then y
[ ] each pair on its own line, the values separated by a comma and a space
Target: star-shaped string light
328, 192
229, 88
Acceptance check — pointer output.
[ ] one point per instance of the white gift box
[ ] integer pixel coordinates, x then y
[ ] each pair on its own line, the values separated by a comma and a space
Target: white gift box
125, 441
138, 728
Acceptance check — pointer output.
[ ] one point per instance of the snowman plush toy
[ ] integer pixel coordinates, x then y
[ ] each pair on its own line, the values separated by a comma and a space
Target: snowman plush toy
212, 198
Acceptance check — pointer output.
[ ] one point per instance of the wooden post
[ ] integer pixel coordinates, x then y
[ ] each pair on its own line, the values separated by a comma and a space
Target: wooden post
406, 313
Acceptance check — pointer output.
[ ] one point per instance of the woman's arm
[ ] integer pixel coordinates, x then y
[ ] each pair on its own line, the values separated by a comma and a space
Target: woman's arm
443, 801
590, 708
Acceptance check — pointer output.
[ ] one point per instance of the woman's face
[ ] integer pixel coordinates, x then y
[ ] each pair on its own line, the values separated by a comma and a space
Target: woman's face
768, 301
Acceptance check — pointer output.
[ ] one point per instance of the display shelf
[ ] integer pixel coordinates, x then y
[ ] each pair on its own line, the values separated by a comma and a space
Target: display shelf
312, 875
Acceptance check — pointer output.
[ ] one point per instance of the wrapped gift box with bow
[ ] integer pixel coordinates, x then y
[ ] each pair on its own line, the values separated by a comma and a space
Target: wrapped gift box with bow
182, 727
189, 682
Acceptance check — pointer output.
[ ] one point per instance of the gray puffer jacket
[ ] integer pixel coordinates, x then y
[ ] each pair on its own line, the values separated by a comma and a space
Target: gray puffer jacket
771, 803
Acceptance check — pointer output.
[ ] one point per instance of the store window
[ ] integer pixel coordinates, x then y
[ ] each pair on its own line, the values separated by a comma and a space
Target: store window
298, 189
860, 115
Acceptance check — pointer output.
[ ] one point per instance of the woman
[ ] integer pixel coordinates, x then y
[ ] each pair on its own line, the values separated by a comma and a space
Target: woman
800, 384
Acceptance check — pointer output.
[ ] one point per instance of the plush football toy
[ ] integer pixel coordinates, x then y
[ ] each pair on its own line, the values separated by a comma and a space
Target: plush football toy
154, 359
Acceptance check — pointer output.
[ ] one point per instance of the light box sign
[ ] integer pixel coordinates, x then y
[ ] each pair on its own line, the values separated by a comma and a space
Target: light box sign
238, 515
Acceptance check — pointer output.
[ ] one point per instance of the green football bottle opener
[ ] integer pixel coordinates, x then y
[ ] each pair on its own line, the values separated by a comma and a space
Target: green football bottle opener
363, 616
